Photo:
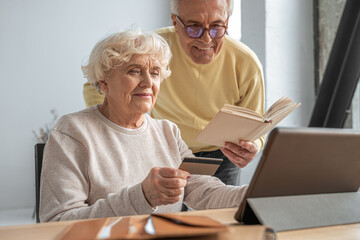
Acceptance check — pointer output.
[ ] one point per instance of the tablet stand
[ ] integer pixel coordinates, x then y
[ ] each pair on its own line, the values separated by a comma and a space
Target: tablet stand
303, 211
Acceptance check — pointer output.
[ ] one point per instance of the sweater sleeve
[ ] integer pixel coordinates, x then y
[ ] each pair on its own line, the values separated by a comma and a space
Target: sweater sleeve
207, 192
65, 186
253, 93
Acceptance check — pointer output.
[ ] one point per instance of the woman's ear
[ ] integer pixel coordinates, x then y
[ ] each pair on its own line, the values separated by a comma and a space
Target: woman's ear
103, 86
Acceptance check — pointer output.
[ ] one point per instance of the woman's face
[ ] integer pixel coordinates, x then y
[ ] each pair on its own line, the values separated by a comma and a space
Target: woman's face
133, 87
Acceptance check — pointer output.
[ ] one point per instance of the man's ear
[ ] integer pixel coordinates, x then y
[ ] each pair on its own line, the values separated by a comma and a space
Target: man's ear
103, 86
173, 19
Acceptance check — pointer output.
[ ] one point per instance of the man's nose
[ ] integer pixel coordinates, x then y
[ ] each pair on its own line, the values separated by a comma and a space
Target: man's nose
206, 36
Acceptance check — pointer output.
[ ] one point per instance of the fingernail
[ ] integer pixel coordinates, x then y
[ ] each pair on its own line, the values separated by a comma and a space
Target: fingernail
188, 177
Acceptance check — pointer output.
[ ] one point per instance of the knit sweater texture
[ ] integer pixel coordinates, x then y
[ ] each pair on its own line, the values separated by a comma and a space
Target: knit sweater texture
93, 168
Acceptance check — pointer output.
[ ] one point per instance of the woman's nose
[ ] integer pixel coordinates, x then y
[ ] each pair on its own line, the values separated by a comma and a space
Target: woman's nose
146, 81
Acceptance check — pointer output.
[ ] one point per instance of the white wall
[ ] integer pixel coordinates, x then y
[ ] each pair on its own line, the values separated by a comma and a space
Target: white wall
290, 56
253, 27
42, 46
281, 34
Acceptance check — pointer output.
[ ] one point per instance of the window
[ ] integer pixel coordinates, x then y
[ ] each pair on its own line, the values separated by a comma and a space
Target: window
328, 14
234, 29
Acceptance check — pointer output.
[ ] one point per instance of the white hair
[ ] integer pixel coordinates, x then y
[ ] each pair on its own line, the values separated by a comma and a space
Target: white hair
118, 48
175, 7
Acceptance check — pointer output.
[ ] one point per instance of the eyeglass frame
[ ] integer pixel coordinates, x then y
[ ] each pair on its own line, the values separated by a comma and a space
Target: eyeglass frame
203, 28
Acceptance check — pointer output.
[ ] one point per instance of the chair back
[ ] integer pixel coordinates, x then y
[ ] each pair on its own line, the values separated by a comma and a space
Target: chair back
39, 149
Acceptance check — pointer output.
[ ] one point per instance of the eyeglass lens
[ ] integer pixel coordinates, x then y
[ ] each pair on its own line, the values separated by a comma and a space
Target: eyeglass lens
196, 32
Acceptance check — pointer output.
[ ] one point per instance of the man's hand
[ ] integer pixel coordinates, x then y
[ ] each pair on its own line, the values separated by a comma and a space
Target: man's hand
164, 185
240, 154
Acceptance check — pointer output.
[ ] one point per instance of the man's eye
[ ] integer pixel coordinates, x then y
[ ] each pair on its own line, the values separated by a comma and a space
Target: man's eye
194, 25
216, 26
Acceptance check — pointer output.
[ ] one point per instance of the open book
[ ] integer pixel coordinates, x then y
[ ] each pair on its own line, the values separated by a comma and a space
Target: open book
233, 123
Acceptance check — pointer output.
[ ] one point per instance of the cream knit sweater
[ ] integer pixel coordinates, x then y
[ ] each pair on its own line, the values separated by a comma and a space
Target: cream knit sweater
94, 168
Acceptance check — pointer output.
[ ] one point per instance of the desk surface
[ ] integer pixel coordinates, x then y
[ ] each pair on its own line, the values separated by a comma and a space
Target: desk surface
225, 216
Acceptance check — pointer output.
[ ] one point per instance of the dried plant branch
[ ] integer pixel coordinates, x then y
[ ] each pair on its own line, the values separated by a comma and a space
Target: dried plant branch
42, 135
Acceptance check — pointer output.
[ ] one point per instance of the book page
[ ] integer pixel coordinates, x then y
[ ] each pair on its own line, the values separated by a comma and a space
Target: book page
277, 118
277, 106
286, 109
233, 123
226, 127
244, 112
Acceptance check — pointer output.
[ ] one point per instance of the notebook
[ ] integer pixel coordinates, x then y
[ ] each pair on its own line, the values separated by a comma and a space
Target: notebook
304, 161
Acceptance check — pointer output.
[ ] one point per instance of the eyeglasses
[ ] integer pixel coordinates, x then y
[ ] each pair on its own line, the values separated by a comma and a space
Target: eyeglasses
194, 31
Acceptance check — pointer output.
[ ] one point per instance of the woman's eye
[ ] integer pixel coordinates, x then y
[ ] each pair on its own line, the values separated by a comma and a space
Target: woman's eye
134, 71
155, 74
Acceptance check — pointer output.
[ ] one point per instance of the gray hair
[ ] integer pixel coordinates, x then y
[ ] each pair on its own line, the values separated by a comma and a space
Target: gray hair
175, 7
118, 48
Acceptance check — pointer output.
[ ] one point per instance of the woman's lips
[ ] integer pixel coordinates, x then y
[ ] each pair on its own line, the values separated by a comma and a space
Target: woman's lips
143, 95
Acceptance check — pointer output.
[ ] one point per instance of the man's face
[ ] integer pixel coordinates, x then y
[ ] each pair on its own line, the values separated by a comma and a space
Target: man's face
203, 13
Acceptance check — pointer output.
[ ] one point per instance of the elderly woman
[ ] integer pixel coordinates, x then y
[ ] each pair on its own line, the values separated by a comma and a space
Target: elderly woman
114, 159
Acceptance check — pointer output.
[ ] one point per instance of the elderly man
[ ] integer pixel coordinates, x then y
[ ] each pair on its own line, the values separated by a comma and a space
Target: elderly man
209, 69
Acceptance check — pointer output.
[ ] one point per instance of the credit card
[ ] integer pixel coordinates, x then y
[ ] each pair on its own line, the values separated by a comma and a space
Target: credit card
200, 165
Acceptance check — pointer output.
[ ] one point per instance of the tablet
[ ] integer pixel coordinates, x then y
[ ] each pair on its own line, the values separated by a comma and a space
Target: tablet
300, 161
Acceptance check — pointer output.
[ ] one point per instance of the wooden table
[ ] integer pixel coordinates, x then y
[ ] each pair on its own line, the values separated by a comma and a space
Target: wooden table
225, 216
